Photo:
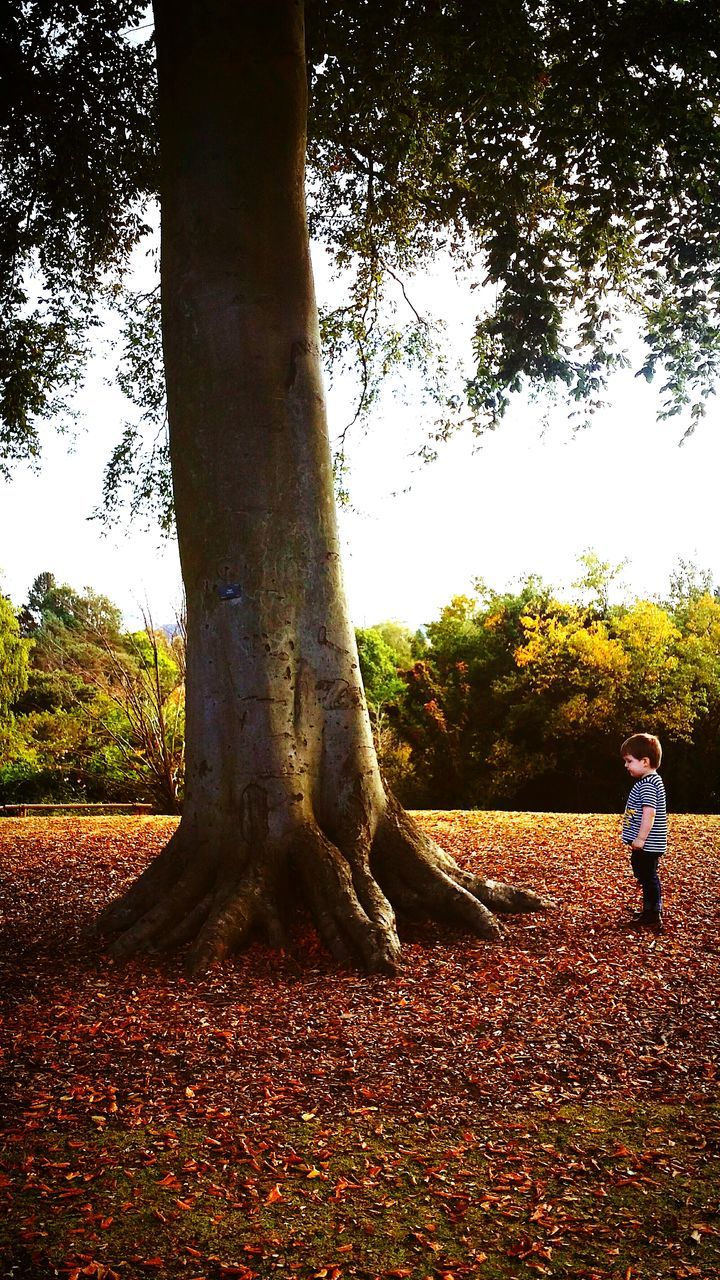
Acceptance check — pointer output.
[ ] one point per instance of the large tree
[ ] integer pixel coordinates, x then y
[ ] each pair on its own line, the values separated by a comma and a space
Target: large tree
569, 145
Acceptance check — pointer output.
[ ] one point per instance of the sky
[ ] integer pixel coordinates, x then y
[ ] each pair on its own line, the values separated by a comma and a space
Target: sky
527, 498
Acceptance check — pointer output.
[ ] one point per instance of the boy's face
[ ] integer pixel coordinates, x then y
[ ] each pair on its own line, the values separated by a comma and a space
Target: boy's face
637, 768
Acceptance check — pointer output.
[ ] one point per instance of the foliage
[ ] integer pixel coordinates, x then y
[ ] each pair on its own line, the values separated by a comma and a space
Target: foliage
384, 650
552, 1103
140, 461
13, 657
406, 645
379, 668
547, 139
596, 579
515, 699
59, 749
75, 158
522, 700
13, 671
454, 707
102, 714
568, 151
146, 686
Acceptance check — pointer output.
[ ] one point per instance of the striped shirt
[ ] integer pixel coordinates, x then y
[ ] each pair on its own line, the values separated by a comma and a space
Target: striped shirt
647, 791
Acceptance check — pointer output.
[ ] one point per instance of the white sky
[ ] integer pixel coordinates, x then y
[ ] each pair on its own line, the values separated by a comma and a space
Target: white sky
524, 499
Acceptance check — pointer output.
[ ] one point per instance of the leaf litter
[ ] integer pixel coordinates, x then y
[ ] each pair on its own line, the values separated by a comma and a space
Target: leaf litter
545, 1106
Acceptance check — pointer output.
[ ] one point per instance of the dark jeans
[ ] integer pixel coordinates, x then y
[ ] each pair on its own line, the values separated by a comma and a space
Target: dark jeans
645, 869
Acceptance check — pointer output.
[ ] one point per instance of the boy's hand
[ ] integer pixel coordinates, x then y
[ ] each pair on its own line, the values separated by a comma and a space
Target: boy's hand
648, 817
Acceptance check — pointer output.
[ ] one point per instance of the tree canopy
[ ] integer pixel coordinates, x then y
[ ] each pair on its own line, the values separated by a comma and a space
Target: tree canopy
568, 148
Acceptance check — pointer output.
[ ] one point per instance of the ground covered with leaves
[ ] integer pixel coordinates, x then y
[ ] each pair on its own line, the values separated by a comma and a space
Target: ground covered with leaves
544, 1106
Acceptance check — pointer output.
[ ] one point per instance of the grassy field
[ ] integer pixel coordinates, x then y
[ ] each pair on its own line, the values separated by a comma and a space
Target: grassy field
546, 1106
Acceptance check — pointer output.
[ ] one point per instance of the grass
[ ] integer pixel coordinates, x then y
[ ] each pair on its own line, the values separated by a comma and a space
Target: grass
595, 1191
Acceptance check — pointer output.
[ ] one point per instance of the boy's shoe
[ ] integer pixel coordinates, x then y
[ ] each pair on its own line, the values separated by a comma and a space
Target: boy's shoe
652, 918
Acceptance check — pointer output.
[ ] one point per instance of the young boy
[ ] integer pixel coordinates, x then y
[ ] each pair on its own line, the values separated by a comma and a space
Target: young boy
645, 821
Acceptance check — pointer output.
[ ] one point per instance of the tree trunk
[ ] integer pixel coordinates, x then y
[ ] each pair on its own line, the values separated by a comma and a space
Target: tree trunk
283, 794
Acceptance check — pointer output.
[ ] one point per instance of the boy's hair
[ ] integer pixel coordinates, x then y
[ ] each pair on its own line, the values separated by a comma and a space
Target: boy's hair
640, 745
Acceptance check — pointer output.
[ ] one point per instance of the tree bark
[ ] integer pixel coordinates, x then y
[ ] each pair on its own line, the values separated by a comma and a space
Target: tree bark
283, 796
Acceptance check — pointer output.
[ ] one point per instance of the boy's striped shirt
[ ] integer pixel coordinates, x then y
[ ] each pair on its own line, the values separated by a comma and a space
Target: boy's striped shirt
647, 791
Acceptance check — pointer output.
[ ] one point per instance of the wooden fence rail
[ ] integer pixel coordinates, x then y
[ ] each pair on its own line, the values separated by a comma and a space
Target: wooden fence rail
79, 810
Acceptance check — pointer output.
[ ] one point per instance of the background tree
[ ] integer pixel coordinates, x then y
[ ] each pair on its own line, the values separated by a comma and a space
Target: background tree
596, 580
52, 752
146, 684
13, 669
102, 713
456, 704
522, 699
695, 758
384, 650
379, 664
572, 148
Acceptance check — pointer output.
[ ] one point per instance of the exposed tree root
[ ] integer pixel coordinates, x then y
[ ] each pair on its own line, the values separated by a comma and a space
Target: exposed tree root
352, 915
216, 900
420, 877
